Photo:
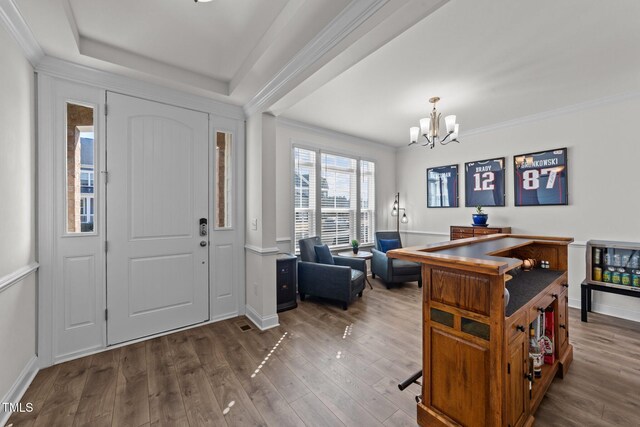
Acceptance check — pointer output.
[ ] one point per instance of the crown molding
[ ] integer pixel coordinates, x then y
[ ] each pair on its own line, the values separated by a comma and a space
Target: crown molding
14, 23
552, 113
549, 114
353, 15
123, 58
106, 80
294, 124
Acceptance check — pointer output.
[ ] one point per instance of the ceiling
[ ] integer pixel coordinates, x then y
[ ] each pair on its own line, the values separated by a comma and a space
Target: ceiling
207, 38
490, 61
244, 52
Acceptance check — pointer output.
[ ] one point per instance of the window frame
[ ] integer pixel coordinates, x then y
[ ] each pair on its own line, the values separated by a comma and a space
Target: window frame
319, 151
96, 161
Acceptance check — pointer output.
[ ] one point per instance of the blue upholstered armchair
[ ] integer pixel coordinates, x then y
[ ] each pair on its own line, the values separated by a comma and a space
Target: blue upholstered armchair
392, 270
341, 281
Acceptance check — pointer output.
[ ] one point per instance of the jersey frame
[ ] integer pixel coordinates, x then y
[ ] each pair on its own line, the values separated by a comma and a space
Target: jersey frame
456, 199
565, 187
504, 182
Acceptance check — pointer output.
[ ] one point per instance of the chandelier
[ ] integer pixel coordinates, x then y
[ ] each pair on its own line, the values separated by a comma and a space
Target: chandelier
430, 128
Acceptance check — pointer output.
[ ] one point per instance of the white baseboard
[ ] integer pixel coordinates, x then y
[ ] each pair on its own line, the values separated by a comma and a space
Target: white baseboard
263, 323
608, 310
18, 388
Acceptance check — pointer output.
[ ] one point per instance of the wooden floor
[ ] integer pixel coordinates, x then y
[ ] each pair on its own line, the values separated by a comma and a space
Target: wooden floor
322, 367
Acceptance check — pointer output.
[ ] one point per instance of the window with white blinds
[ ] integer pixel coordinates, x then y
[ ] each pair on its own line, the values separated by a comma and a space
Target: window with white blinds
304, 193
340, 205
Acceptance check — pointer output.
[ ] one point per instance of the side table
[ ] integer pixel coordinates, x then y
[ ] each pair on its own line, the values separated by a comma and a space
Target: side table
361, 254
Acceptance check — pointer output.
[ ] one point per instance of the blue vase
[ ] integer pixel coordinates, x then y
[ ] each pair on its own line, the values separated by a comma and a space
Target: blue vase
480, 219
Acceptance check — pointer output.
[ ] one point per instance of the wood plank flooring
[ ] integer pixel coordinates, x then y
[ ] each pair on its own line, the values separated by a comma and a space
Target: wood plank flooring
321, 367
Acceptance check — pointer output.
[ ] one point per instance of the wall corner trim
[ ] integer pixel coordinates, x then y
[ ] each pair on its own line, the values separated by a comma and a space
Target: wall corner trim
19, 387
12, 20
16, 276
263, 323
262, 251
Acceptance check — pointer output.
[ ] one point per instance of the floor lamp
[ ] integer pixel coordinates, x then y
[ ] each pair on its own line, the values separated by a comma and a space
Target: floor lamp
395, 211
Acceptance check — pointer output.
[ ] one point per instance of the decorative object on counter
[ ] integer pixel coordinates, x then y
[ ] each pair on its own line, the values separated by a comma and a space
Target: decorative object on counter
395, 211
442, 187
430, 128
528, 264
355, 245
484, 182
480, 218
540, 178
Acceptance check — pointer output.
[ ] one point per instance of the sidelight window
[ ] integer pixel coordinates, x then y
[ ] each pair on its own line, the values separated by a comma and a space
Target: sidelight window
80, 159
223, 162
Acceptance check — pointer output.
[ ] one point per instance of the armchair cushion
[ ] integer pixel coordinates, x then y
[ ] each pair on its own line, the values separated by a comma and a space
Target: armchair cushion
405, 268
389, 244
323, 254
355, 275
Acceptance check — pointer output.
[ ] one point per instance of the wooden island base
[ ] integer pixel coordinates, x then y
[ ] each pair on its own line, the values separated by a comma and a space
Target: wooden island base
476, 365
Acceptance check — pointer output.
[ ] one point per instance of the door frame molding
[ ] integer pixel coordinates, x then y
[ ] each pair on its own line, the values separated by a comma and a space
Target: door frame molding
49, 73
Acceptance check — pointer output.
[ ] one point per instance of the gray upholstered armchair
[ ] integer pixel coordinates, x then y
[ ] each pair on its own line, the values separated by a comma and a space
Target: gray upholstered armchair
341, 282
393, 270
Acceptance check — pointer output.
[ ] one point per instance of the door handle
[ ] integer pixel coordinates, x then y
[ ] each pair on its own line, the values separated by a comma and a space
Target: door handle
203, 227
203, 243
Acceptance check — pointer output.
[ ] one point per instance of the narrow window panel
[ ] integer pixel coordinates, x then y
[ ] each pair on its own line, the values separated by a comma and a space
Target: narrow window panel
223, 164
367, 202
338, 199
304, 182
80, 169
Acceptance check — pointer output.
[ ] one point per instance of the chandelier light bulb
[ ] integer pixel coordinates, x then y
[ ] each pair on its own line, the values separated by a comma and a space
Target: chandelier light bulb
430, 128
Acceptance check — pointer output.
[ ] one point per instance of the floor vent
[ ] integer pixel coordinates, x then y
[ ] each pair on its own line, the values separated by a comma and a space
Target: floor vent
244, 328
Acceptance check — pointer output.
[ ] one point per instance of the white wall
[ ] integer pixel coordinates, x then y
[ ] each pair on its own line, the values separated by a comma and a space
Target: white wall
289, 133
603, 179
17, 213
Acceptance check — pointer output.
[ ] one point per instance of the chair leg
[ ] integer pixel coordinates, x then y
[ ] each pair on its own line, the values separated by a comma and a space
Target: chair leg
345, 305
373, 275
360, 294
420, 283
302, 296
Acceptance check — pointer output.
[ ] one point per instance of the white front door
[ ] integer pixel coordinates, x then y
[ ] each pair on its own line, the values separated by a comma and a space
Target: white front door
157, 196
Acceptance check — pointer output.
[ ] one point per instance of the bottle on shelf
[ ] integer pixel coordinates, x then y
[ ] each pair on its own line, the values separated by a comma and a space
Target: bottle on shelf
535, 353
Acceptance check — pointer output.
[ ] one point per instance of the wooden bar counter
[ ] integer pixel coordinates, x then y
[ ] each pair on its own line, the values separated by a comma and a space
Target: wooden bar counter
475, 362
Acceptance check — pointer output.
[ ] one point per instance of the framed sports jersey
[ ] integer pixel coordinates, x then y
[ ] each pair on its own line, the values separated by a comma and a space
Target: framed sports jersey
540, 179
442, 187
484, 182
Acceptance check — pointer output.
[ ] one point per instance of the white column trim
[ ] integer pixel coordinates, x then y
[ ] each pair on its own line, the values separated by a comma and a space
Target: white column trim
14, 23
263, 323
16, 276
261, 251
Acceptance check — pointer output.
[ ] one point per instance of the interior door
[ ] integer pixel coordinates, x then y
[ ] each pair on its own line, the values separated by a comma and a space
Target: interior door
157, 259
